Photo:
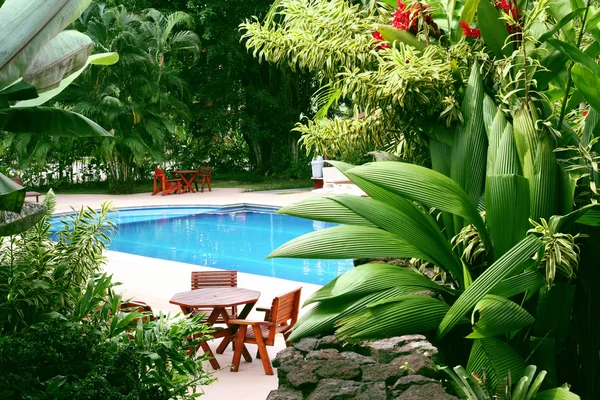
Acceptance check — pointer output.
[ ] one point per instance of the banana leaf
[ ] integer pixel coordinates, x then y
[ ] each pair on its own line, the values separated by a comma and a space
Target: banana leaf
494, 358
49, 121
12, 195
514, 261
17, 91
495, 315
60, 57
26, 26
95, 59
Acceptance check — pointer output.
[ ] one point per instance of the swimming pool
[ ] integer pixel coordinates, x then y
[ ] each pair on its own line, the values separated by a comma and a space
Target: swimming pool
227, 238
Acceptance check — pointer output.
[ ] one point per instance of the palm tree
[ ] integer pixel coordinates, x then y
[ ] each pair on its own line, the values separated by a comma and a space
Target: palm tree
139, 100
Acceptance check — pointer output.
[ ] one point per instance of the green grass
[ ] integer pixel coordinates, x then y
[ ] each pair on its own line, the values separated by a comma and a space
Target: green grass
248, 185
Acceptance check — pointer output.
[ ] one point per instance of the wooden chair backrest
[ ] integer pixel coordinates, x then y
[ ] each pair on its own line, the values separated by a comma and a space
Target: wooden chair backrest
204, 279
284, 313
17, 180
205, 171
140, 306
159, 172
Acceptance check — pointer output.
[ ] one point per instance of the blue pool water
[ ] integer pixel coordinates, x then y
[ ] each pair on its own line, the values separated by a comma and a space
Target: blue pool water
232, 238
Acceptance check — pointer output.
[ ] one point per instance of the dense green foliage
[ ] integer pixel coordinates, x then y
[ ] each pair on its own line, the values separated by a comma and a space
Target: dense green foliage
499, 200
193, 96
63, 333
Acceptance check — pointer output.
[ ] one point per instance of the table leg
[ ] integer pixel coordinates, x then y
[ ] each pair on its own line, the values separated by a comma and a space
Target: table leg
188, 183
214, 315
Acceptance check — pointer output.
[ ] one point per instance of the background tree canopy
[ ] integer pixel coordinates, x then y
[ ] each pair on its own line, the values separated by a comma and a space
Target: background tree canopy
186, 92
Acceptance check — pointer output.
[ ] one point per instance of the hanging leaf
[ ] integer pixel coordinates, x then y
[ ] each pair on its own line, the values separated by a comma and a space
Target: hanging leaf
576, 55
342, 242
60, 57
557, 27
514, 261
408, 229
49, 121
493, 29
588, 84
18, 91
495, 359
495, 315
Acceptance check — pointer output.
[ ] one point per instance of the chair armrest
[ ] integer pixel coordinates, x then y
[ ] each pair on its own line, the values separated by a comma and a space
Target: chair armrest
246, 322
262, 309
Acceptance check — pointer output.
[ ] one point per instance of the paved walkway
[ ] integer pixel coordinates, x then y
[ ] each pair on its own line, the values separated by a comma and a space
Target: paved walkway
155, 281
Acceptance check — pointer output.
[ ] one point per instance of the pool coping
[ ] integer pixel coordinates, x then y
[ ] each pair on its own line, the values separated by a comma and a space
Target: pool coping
229, 207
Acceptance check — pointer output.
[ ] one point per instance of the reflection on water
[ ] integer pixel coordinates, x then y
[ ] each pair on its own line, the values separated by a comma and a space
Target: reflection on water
240, 240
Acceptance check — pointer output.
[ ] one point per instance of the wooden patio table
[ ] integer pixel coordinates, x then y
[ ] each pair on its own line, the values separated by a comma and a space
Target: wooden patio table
188, 176
218, 299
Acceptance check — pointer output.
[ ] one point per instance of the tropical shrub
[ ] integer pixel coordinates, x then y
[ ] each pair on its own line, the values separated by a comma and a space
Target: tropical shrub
63, 332
37, 61
502, 199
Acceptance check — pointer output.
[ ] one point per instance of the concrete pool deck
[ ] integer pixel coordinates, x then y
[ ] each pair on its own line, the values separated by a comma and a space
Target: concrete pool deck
155, 281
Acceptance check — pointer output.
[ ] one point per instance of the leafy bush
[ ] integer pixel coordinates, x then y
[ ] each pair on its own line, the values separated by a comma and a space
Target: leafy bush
63, 334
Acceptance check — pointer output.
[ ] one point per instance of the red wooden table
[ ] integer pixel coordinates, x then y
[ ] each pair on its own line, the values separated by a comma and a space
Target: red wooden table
188, 176
218, 299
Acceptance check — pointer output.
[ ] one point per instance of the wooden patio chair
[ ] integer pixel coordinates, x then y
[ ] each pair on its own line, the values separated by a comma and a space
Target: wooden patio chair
37, 195
280, 318
140, 306
204, 176
208, 279
165, 185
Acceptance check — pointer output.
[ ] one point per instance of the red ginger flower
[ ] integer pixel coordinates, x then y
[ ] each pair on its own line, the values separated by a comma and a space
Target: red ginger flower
378, 37
469, 32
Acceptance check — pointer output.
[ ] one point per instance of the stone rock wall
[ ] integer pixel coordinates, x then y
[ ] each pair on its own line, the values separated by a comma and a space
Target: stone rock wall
399, 368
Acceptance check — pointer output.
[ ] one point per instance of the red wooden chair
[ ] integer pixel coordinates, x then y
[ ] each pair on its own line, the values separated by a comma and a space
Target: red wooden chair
204, 176
280, 318
37, 195
165, 185
139, 306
